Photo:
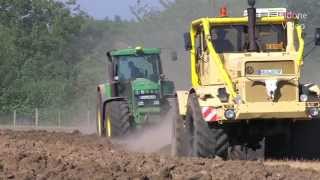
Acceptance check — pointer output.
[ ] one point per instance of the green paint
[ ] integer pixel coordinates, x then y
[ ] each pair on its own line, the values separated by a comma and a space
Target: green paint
144, 84
133, 51
142, 87
168, 88
107, 90
151, 110
141, 113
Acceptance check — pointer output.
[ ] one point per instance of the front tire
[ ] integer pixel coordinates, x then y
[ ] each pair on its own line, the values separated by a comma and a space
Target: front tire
208, 140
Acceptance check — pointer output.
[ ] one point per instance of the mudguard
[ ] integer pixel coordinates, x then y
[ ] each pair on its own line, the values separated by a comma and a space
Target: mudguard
105, 91
182, 98
207, 97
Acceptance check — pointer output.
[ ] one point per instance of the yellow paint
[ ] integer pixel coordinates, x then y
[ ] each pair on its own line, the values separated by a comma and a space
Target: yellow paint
224, 75
182, 97
239, 20
109, 126
301, 45
99, 122
194, 75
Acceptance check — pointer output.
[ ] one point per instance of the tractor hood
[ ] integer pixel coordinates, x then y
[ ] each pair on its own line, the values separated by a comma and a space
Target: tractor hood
145, 86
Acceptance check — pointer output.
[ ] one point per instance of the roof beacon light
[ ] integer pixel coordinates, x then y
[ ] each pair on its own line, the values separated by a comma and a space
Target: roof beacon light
139, 49
224, 11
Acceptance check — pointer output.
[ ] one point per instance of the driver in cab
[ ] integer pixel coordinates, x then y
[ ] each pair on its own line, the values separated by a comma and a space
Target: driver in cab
135, 72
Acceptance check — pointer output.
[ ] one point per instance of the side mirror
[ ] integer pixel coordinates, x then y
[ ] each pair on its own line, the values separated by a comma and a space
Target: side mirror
187, 41
162, 76
174, 56
317, 37
108, 54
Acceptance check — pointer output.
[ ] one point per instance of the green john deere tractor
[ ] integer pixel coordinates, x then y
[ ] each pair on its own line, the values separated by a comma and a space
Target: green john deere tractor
136, 91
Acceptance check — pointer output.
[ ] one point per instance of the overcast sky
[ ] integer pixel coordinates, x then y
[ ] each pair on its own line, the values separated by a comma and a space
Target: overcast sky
99, 9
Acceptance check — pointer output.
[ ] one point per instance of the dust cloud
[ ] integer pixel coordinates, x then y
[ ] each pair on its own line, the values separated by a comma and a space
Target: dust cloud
150, 139
87, 128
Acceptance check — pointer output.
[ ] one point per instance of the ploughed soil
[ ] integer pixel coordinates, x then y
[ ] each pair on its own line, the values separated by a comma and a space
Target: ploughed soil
49, 155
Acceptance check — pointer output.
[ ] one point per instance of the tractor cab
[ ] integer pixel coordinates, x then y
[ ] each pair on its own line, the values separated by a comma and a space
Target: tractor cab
146, 66
136, 71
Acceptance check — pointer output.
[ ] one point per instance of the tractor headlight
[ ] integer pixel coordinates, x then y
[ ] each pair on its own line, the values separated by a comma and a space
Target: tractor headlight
314, 112
230, 114
303, 98
140, 103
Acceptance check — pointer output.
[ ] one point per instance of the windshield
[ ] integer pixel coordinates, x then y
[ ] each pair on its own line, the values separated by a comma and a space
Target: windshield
142, 66
234, 38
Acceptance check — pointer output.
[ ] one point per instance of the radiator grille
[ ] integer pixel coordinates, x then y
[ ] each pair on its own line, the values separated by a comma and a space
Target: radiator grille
256, 92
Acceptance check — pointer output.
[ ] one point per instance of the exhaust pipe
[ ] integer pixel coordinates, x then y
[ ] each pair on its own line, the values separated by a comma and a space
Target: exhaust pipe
252, 20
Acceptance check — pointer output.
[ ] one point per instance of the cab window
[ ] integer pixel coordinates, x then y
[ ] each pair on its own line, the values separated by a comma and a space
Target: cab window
234, 38
132, 67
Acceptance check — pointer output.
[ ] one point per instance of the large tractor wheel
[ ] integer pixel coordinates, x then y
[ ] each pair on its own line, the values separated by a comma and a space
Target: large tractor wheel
117, 119
205, 139
101, 130
305, 138
178, 141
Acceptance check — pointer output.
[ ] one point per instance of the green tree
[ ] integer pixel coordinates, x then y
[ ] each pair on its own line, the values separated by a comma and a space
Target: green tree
37, 54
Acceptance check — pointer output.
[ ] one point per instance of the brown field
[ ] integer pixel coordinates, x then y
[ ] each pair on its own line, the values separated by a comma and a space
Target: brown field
314, 165
50, 155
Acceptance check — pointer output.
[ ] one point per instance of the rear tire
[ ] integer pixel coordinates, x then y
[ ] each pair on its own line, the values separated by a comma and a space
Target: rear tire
117, 119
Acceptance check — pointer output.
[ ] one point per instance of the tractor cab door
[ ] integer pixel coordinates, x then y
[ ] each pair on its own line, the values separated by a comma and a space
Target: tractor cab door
111, 78
119, 87
202, 57
122, 85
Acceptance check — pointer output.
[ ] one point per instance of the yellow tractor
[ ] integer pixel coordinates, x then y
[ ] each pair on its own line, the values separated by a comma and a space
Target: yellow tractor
246, 98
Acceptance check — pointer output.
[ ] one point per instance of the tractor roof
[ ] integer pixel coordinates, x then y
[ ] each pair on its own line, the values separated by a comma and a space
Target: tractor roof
135, 51
264, 16
241, 20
